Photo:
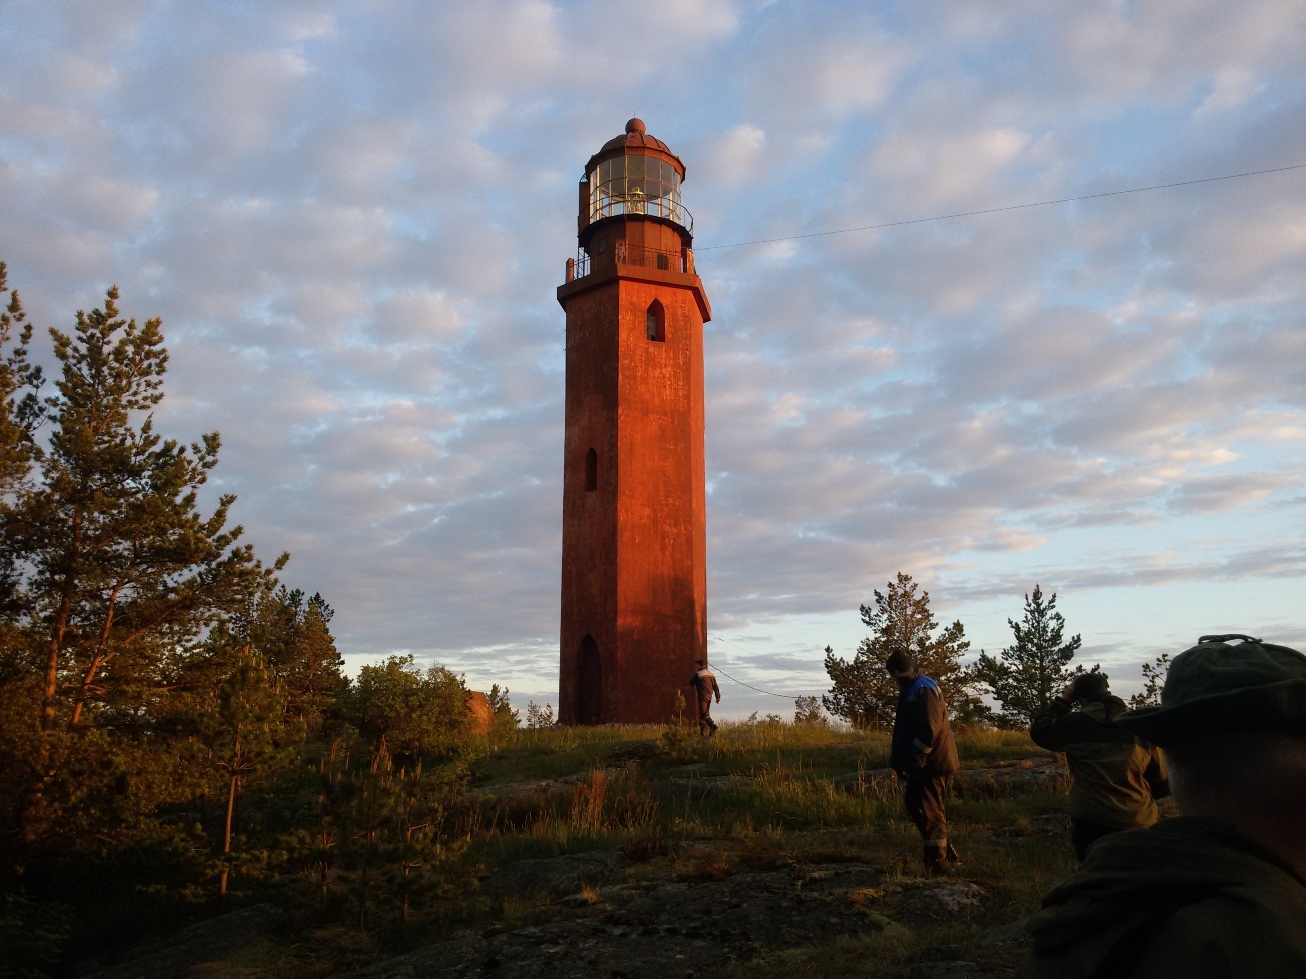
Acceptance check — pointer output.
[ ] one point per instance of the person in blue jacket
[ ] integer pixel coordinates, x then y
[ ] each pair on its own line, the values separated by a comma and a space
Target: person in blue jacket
924, 756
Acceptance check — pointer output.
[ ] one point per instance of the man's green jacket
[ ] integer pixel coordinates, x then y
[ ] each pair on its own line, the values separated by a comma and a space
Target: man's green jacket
1187, 899
1116, 776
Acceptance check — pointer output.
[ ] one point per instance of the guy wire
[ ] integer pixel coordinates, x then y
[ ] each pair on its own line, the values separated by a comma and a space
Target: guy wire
1007, 207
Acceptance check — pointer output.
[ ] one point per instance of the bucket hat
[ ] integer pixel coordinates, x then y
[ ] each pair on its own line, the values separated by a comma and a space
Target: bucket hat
1219, 686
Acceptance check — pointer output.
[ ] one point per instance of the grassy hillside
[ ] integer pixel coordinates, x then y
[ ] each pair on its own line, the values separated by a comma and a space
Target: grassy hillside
768, 850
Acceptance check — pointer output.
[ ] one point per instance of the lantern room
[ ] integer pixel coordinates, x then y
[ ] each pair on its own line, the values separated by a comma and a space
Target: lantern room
631, 212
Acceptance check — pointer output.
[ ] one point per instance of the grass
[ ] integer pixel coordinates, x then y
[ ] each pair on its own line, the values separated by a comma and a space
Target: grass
748, 779
761, 796
756, 797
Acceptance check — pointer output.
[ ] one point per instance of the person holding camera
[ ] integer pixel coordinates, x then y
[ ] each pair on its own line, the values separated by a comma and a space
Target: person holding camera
1117, 775
1220, 891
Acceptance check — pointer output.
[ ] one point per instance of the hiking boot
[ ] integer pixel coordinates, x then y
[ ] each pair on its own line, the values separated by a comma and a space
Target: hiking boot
941, 860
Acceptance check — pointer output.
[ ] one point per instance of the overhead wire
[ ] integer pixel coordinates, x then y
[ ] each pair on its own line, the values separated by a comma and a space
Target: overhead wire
782, 696
717, 669
1006, 207
968, 214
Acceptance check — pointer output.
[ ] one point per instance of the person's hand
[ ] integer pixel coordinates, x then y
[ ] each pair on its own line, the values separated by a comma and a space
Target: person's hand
1068, 693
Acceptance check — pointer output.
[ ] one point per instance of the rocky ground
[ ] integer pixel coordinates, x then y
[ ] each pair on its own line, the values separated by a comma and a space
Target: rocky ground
680, 922
672, 917
724, 906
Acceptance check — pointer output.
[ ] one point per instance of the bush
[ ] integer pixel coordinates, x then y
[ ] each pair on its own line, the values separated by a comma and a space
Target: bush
414, 713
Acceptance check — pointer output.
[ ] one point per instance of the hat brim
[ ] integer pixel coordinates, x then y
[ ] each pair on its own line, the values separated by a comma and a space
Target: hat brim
1272, 707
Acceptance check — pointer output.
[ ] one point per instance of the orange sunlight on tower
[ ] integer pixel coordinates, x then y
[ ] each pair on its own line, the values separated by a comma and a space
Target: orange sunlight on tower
634, 568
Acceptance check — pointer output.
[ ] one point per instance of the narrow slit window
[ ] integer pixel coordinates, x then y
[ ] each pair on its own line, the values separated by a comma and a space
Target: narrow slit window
591, 471
656, 322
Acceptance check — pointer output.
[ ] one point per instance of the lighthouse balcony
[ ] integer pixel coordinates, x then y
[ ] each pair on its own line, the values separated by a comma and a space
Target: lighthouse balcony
634, 201
680, 260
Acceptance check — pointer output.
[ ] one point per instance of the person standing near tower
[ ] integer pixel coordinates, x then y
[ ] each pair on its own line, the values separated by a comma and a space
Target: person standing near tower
704, 681
924, 756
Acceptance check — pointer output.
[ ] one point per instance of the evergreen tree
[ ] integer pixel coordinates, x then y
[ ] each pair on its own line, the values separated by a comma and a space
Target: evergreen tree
1029, 673
505, 718
247, 736
121, 573
20, 408
1154, 674
20, 414
807, 710
862, 692
292, 634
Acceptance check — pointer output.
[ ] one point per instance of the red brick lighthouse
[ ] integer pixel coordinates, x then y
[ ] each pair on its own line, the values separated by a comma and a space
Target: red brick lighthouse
634, 569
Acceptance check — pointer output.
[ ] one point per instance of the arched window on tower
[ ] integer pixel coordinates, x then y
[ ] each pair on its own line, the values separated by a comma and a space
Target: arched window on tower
656, 322
591, 471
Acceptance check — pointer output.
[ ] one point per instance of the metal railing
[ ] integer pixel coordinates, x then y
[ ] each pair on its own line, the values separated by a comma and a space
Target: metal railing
624, 254
636, 203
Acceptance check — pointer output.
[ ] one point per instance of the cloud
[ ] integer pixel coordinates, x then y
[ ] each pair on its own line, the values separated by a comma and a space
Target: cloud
353, 220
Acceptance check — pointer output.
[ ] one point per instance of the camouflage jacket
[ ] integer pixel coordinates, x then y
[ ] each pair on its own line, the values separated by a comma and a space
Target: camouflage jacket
1117, 776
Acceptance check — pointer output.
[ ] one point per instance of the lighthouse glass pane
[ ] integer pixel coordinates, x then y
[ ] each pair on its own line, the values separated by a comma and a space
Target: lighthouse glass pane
635, 185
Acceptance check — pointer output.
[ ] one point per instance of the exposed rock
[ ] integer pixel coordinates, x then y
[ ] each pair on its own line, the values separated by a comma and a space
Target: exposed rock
635, 751
656, 930
873, 779
1007, 778
950, 970
953, 899
557, 876
214, 940
1010, 778
1012, 933
700, 787
1051, 824
479, 713
529, 792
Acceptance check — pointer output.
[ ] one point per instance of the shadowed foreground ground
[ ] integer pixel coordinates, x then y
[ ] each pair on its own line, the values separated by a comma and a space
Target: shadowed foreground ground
771, 850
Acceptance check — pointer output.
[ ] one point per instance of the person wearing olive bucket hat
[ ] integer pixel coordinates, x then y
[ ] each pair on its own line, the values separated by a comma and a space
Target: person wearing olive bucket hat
1219, 891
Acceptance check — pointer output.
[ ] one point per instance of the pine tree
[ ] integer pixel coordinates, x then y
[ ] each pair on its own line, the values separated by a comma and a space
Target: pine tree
807, 710
247, 736
862, 692
20, 414
1029, 673
505, 718
1154, 675
121, 572
20, 408
292, 633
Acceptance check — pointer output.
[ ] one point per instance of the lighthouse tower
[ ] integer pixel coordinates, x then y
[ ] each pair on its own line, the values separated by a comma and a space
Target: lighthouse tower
634, 569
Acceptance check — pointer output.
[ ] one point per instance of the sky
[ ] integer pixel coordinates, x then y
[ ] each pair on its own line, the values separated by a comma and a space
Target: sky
352, 218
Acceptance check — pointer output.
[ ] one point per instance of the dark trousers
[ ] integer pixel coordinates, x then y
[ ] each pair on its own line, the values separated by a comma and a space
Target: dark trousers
705, 723
1084, 834
924, 797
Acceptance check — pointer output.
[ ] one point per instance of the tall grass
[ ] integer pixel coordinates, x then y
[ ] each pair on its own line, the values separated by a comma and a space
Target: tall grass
750, 778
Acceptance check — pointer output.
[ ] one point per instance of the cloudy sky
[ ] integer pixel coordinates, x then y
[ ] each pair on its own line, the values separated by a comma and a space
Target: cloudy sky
352, 217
